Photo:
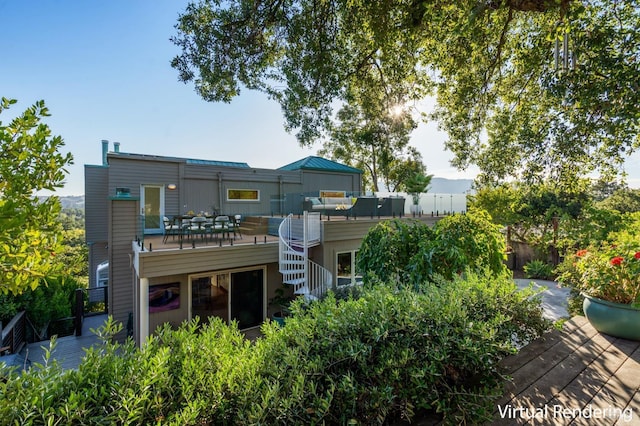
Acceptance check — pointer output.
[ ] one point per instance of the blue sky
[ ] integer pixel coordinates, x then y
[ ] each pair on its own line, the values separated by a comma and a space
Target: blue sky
103, 69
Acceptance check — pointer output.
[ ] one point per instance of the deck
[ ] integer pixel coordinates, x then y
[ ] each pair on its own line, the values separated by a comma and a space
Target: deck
573, 376
69, 350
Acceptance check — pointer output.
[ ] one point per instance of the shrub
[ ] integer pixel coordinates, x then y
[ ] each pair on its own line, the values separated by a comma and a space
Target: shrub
413, 252
389, 354
538, 269
388, 248
50, 300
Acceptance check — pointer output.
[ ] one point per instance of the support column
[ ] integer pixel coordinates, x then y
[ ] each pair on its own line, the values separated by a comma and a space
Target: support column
143, 311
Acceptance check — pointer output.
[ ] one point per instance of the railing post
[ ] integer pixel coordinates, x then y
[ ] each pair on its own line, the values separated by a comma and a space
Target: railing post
79, 311
106, 299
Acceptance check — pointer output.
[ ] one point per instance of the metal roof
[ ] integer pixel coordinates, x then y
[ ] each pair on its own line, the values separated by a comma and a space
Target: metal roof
217, 163
319, 163
181, 159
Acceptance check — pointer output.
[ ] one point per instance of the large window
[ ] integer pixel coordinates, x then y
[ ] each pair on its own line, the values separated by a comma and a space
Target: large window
230, 295
346, 268
243, 195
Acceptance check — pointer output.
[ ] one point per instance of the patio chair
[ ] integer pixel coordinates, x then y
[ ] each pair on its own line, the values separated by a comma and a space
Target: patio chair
198, 227
220, 226
235, 225
170, 228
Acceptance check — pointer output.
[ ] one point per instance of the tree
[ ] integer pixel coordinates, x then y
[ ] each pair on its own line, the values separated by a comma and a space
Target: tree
416, 185
491, 64
30, 233
372, 134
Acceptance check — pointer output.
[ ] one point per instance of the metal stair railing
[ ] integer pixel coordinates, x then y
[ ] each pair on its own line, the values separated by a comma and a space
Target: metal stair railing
307, 277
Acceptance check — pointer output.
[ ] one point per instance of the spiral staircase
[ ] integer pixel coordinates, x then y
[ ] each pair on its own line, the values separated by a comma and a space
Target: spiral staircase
297, 235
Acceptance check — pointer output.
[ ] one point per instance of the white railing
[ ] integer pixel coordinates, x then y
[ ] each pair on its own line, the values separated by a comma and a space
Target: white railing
296, 236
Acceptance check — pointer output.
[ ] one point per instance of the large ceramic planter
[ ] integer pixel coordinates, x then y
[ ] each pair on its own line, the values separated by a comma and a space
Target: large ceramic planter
614, 319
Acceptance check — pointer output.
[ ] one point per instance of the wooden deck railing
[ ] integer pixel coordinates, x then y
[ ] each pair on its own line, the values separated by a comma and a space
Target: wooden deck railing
13, 335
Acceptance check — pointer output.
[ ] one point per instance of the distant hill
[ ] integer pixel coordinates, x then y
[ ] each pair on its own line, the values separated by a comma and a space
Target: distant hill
70, 201
450, 186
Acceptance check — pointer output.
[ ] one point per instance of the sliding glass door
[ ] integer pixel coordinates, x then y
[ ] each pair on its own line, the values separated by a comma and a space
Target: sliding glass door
230, 295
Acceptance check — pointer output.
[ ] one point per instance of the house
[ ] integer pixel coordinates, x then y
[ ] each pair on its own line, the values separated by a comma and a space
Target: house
153, 280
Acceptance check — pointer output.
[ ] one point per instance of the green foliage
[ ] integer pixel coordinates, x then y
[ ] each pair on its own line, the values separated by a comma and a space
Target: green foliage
72, 218
416, 185
52, 299
371, 134
538, 269
468, 241
505, 104
389, 248
623, 200
30, 234
392, 353
609, 269
413, 252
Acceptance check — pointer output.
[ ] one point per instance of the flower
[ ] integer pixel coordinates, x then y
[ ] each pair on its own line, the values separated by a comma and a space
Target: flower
607, 271
617, 261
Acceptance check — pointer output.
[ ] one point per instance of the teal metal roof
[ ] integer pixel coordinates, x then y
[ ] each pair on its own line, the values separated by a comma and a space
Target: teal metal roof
319, 163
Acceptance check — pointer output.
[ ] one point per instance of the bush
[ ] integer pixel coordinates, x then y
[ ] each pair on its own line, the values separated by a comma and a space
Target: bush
389, 354
538, 269
413, 252
52, 299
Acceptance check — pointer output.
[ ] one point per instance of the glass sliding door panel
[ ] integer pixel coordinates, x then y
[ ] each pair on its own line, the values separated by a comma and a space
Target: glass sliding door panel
152, 199
247, 298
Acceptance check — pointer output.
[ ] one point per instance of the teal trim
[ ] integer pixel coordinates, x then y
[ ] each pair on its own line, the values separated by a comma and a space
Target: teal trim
116, 198
320, 164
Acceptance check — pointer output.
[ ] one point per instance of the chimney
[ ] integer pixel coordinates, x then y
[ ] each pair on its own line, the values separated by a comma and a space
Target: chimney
105, 149
116, 147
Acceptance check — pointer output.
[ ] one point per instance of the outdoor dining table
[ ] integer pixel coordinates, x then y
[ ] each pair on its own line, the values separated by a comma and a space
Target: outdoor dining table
191, 225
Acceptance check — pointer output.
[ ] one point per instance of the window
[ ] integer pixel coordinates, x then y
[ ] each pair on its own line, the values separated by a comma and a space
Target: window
333, 194
243, 195
346, 268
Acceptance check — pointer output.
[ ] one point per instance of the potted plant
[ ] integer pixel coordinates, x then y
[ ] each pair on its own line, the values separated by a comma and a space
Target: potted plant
416, 185
608, 276
280, 302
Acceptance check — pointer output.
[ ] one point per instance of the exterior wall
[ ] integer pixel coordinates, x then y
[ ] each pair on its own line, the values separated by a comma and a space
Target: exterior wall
346, 235
131, 173
176, 316
204, 259
318, 181
98, 253
96, 203
123, 214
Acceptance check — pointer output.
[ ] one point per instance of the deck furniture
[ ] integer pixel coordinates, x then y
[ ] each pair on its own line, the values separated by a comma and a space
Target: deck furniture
170, 228
364, 206
392, 206
220, 226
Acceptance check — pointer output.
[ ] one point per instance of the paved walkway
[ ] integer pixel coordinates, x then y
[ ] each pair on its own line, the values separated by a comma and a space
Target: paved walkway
554, 297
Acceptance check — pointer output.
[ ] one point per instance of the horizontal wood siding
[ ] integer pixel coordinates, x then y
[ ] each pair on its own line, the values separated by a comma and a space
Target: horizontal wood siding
191, 261
96, 204
98, 253
131, 173
198, 171
121, 275
200, 195
318, 181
